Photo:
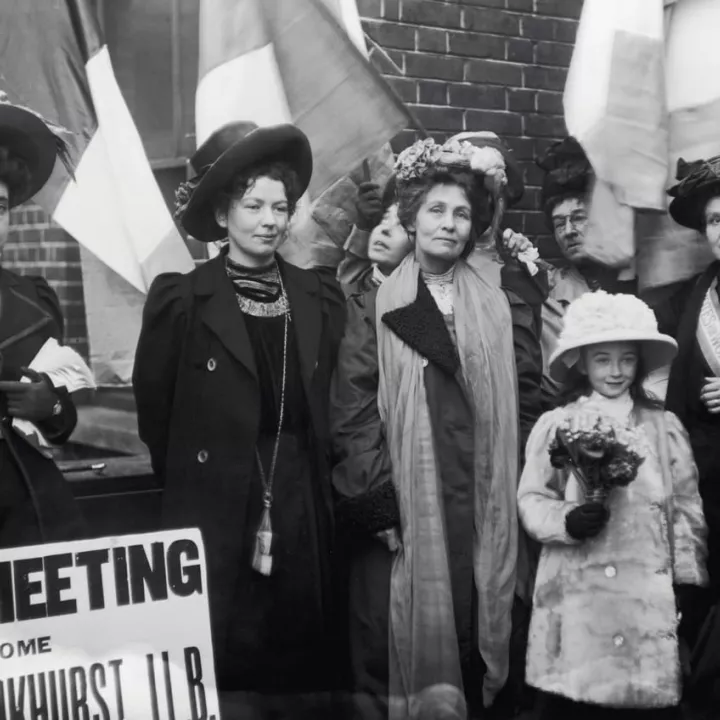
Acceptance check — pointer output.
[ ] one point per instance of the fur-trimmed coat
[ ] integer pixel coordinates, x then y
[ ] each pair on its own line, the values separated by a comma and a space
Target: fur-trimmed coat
604, 622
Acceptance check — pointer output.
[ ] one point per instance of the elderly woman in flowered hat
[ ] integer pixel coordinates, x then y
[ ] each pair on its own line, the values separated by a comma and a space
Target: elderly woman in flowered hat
427, 419
232, 376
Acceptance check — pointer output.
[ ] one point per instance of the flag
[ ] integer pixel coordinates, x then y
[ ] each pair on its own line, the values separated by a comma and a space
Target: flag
639, 96
304, 62
56, 62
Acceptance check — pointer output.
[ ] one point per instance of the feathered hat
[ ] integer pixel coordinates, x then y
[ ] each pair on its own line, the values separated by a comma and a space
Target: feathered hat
28, 136
226, 152
699, 182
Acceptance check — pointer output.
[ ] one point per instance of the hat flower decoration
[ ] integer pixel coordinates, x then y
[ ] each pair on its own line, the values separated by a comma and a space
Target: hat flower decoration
483, 154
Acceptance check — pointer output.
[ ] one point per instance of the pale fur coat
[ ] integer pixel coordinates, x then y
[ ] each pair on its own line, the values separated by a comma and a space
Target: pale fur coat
604, 622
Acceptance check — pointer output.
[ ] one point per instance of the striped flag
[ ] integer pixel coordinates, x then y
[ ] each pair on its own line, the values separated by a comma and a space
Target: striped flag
638, 96
304, 62
54, 60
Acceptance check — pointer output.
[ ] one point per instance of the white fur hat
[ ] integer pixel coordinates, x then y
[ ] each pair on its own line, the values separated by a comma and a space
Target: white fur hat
598, 317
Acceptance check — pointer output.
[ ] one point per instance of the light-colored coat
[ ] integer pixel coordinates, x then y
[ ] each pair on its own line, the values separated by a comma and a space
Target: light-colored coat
604, 622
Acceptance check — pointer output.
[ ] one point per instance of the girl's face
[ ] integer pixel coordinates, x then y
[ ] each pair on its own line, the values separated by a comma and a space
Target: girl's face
442, 228
610, 367
389, 242
256, 222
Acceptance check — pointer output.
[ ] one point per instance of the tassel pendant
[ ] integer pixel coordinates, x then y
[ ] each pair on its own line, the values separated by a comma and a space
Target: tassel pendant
262, 557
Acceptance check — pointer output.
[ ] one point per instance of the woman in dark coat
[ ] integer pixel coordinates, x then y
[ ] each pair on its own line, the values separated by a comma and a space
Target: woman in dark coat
232, 377
438, 380
36, 503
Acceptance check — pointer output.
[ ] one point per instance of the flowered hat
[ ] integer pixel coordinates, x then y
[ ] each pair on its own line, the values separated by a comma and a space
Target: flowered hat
598, 317
227, 151
567, 172
34, 140
482, 153
699, 182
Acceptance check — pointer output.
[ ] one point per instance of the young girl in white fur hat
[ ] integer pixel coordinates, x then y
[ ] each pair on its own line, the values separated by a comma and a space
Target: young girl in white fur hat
612, 576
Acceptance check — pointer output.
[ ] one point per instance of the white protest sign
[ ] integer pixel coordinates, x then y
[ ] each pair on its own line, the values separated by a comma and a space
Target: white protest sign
111, 629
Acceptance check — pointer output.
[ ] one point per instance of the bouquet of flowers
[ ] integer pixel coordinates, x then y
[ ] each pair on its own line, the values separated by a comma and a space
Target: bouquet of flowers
601, 457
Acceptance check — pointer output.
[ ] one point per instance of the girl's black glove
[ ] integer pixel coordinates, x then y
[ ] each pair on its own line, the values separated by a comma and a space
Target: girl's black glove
586, 521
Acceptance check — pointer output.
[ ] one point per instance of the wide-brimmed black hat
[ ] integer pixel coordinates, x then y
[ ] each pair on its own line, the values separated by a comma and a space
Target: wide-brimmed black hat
699, 182
35, 141
567, 172
232, 148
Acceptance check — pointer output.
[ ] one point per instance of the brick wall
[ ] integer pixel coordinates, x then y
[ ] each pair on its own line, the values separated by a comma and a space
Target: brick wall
495, 65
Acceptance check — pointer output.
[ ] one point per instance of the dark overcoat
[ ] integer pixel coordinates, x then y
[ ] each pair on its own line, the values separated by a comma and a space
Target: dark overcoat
36, 503
198, 403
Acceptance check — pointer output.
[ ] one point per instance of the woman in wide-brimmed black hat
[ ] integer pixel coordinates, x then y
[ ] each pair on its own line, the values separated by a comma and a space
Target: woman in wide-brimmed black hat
231, 378
36, 504
689, 311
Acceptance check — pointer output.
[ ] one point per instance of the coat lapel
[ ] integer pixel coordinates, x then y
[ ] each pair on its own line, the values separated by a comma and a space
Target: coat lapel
421, 326
222, 314
20, 315
303, 294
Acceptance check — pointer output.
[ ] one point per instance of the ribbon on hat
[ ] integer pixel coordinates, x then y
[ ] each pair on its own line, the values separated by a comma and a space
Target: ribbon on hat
185, 191
566, 165
692, 176
61, 146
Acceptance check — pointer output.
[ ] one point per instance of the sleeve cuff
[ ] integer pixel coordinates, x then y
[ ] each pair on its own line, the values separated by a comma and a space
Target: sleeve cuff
370, 513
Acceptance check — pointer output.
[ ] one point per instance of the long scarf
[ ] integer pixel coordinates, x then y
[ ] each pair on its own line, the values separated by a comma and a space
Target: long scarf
423, 640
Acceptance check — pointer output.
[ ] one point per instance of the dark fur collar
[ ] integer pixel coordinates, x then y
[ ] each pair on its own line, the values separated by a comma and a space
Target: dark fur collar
421, 325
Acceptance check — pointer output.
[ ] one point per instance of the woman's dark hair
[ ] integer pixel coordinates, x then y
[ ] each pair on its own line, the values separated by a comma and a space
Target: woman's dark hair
246, 178
411, 196
577, 385
15, 173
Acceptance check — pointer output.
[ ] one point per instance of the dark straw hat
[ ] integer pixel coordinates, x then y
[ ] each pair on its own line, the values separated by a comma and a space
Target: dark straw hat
36, 142
567, 172
699, 182
232, 148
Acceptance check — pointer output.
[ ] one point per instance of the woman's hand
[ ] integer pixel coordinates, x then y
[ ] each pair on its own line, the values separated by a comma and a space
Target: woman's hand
710, 395
34, 400
369, 206
515, 243
390, 538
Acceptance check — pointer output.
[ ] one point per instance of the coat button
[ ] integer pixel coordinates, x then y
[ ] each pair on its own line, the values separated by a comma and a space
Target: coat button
202, 456
610, 571
618, 641
211, 364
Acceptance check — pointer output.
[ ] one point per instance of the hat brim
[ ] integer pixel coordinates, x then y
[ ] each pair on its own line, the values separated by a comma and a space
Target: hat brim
282, 143
689, 210
27, 137
657, 350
